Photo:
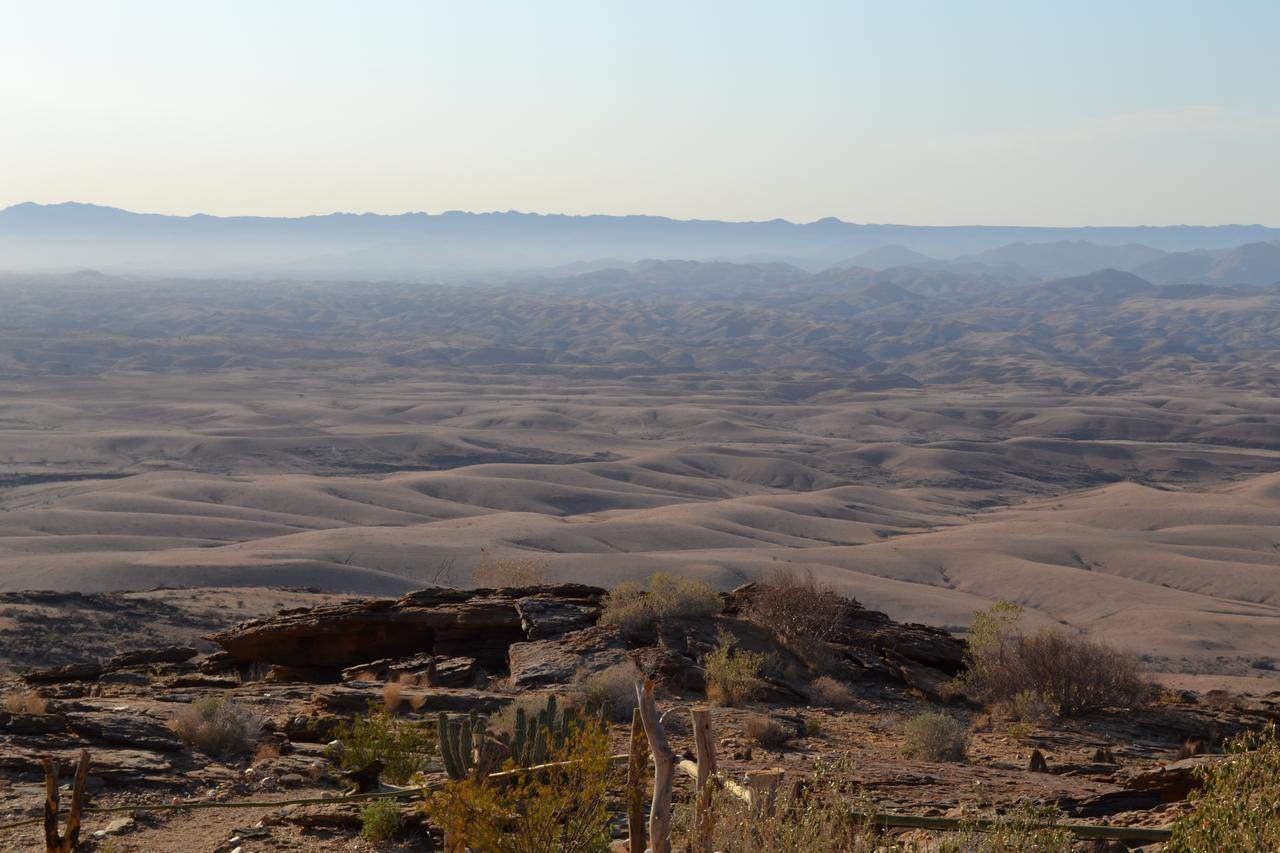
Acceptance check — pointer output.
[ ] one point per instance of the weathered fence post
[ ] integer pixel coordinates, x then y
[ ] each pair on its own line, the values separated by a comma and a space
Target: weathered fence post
637, 773
763, 785
54, 843
705, 751
664, 769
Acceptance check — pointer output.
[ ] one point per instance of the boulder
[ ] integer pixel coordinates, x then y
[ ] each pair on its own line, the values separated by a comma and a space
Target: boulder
31, 724
480, 623
423, 701
66, 672
561, 660
543, 617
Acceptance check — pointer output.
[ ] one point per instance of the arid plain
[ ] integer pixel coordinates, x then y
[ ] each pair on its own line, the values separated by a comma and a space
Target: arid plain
1102, 450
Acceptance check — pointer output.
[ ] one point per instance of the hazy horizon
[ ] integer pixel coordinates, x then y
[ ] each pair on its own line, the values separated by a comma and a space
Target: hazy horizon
1036, 114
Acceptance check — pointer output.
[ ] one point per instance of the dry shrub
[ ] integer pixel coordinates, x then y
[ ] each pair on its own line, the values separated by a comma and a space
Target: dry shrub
1073, 676
565, 808
733, 674
1025, 707
507, 573
935, 737
830, 812
635, 610
1238, 804
800, 610
1025, 829
831, 693
217, 726
766, 731
391, 697
25, 702
613, 689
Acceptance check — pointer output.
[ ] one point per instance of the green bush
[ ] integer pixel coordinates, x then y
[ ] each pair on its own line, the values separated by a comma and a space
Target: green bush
1238, 805
380, 820
404, 747
935, 737
1026, 829
733, 674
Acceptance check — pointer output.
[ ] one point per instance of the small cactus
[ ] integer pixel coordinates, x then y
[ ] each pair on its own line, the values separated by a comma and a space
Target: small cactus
534, 736
457, 741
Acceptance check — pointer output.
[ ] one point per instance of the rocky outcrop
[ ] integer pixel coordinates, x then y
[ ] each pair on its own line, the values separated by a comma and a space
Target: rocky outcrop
479, 623
565, 658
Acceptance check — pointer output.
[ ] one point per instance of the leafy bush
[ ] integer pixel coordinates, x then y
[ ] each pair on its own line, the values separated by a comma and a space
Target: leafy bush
506, 573
831, 693
564, 808
935, 737
629, 606
613, 689
1238, 804
1073, 676
798, 609
733, 674
766, 731
217, 726
380, 820
404, 747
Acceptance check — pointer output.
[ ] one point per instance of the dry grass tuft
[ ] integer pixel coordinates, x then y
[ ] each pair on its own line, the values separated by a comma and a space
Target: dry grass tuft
391, 696
767, 732
26, 702
217, 727
935, 737
830, 693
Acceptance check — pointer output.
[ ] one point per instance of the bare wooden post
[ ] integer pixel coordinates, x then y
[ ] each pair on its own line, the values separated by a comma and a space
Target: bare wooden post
51, 841
763, 785
705, 748
664, 771
637, 771
72, 838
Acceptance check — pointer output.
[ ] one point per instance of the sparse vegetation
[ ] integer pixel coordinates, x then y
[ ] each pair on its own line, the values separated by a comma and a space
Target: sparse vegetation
404, 747
831, 693
1238, 805
764, 730
25, 702
799, 609
380, 820
733, 674
830, 813
1025, 829
507, 572
935, 737
634, 609
1072, 676
614, 690
217, 726
564, 809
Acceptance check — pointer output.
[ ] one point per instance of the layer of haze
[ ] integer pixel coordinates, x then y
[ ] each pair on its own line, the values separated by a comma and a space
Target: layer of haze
930, 113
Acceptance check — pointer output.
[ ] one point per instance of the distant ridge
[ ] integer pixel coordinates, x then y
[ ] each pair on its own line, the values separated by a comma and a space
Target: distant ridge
69, 236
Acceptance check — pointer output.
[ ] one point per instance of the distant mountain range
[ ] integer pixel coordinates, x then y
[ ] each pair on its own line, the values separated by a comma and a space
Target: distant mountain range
65, 237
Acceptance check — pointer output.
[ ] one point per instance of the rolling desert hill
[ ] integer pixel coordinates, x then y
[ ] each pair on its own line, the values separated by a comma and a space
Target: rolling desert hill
1102, 449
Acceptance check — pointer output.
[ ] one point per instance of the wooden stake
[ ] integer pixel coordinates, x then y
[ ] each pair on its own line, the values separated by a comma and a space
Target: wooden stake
705, 749
664, 771
637, 781
77, 803
52, 843
763, 785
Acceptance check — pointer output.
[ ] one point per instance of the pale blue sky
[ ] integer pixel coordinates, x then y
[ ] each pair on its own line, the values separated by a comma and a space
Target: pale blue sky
1048, 113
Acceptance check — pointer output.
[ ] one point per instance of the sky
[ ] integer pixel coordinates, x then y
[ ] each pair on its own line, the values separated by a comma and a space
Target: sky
1026, 112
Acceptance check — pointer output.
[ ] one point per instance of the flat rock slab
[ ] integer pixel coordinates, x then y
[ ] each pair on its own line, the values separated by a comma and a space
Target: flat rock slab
561, 660
125, 729
423, 700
